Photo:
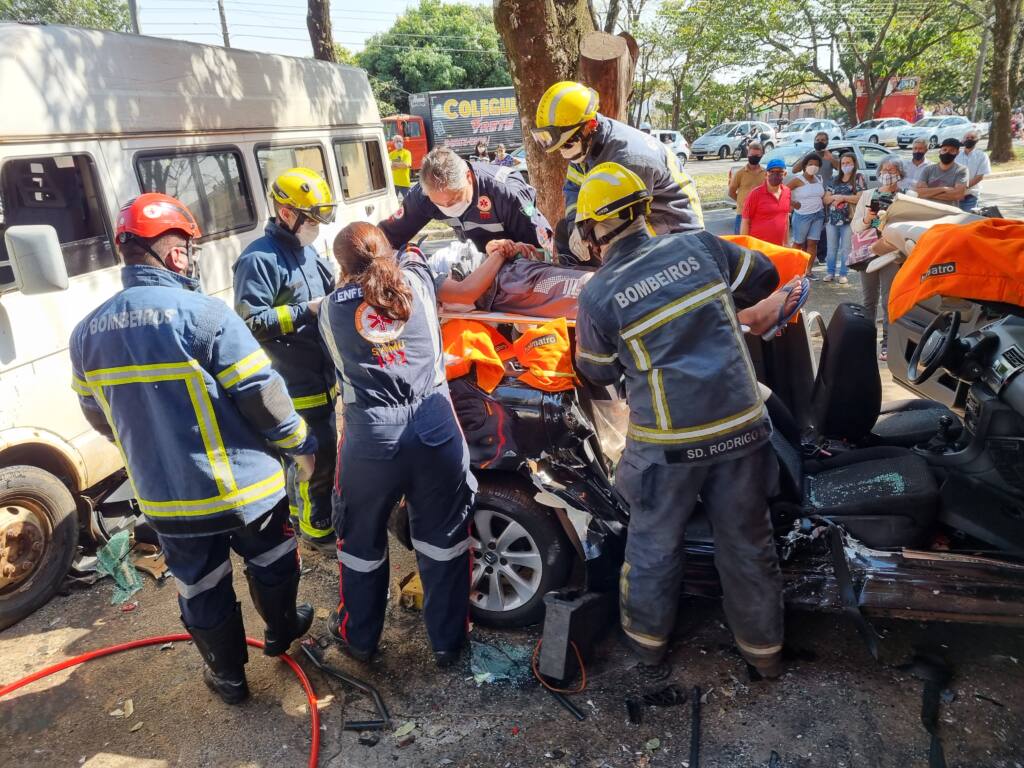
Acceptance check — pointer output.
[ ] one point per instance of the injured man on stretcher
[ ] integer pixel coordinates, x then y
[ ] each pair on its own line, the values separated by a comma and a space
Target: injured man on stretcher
511, 278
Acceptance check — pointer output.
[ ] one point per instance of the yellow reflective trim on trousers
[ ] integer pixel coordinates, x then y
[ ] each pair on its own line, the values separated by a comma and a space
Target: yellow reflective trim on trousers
758, 650
305, 515
700, 431
243, 369
284, 319
293, 440
190, 373
196, 507
650, 641
310, 401
80, 387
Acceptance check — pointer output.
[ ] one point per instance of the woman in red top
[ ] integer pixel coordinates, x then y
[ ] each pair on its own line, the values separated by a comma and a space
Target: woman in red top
766, 211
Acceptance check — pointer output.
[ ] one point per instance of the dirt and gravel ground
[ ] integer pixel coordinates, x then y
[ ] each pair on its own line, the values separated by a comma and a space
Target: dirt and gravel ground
834, 706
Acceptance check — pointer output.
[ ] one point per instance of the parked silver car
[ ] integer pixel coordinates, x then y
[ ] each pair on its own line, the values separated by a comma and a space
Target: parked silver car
882, 130
935, 130
676, 142
804, 130
722, 140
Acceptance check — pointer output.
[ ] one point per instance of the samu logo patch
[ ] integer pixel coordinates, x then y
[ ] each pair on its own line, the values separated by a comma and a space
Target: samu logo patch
376, 327
940, 270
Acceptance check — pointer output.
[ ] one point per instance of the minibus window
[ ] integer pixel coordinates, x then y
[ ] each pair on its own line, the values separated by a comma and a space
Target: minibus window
61, 192
273, 161
210, 183
361, 167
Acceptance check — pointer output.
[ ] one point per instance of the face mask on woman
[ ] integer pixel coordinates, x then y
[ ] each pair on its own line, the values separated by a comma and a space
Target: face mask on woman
812, 170
847, 168
888, 179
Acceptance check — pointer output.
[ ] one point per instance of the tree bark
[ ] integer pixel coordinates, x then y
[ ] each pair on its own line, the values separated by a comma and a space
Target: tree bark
1007, 17
542, 39
318, 21
979, 69
606, 65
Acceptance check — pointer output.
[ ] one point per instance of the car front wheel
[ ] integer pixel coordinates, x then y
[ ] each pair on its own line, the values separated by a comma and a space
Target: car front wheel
38, 539
933, 142
723, 153
768, 146
519, 553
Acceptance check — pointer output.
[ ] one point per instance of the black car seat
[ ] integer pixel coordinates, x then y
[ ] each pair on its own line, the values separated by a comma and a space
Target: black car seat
885, 496
846, 401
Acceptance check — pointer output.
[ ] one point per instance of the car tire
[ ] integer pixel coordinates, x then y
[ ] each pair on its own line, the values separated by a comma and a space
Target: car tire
768, 146
872, 139
503, 502
39, 533
723, 152
933, 142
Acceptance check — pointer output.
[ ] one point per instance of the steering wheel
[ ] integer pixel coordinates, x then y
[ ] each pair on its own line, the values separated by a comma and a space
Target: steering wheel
934, 348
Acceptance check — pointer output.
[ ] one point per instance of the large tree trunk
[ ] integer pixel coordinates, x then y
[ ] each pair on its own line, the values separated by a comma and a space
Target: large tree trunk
979, 71
542, 39
1007, 17
318, 21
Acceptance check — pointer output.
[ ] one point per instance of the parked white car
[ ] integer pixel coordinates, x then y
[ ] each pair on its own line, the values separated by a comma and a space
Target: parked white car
882, 130
676, 141
723, 139
935, 130
804, 130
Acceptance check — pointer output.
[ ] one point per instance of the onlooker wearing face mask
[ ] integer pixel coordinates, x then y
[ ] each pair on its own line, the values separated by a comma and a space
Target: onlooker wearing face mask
841, 194
480, 153
502, 158
914, 168
766, 210
745, 179
808, 208
945, 182
280, 281
870, 214
828, 161
977, 165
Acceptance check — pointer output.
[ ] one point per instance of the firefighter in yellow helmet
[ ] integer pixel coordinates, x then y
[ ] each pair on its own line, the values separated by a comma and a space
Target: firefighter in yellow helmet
280, 280
664, 313
568, 122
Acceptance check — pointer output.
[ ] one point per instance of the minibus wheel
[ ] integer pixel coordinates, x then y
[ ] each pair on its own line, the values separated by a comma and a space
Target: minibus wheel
38, 539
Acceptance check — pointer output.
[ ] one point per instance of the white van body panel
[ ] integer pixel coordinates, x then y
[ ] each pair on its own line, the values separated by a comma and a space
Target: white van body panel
114, 98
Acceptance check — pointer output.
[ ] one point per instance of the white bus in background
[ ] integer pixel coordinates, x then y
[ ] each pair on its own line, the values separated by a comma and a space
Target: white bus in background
88, 120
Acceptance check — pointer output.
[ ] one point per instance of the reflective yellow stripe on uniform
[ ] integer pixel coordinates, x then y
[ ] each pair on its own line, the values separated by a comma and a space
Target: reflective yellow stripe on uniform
305, 514
80, 387
243, 369
633, 333
284, 319
189, 373
682, 178
310, 401
698, 432
575, 175
237, 498
595, 357
295, 439
742, 269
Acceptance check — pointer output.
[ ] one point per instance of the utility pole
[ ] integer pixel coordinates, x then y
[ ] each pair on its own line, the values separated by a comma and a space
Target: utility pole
133, 13
223, 23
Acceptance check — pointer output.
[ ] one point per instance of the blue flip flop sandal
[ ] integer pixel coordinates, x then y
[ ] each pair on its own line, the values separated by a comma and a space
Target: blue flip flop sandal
785, 317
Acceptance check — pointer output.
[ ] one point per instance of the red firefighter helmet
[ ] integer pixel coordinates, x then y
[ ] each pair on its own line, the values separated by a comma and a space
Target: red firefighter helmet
152, 214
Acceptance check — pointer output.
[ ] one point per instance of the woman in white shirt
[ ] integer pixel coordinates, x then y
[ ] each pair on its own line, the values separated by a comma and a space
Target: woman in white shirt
808, 194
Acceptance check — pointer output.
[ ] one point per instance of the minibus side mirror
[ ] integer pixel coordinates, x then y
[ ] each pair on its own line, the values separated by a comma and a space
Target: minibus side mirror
36, 259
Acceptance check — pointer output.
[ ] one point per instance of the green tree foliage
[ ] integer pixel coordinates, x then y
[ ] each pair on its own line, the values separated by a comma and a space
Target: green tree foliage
832, 43
947, 72
435, 46
95, 14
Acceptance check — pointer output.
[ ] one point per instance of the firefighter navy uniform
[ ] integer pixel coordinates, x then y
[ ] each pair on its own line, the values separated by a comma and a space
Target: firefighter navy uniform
503, 207
178, 381
676, 205
275, 278
661, 312
399, 438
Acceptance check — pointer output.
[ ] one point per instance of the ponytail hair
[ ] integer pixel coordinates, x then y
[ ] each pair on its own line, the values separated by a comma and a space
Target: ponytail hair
367, 259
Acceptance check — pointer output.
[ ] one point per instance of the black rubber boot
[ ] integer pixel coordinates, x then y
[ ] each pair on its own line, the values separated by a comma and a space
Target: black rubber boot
224, 650
334, 627
286, 621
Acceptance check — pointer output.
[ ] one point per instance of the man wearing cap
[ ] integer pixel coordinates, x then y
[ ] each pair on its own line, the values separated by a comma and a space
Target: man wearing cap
766, 210
945, 181
567, 121
401, 167
280, 281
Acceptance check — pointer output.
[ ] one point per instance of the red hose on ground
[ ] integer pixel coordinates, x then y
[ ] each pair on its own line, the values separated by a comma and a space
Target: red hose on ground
314, 713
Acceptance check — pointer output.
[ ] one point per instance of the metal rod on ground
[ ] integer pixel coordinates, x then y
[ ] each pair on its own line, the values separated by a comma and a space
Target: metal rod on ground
562, 699
384, 723
695, 728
